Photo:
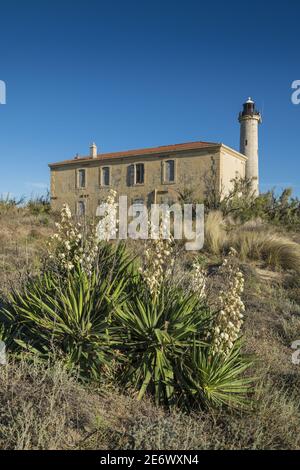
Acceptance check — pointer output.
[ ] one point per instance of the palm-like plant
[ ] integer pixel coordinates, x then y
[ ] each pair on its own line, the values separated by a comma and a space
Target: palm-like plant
215, 380
161, 340
114, 260
154, 334
68, 315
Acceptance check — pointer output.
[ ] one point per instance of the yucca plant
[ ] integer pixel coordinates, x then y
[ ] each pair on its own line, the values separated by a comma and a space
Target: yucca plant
69, 316
215, 380
154, 334
113, 258
115, 262
6, 332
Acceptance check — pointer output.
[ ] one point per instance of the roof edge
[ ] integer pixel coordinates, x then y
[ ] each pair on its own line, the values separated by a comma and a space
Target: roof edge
235, 152
144, 152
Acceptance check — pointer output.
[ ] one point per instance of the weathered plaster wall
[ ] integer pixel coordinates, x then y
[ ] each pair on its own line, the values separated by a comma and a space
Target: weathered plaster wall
190, 168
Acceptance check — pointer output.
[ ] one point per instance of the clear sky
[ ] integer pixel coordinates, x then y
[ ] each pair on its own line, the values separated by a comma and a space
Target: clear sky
130, 74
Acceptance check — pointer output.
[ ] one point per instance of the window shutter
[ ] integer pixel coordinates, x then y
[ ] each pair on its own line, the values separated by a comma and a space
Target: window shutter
130, 175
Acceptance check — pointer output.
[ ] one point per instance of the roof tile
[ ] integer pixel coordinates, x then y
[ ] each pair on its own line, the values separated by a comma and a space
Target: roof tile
144, 151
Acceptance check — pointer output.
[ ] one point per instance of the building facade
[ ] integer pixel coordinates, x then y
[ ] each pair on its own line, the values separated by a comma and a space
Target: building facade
151, 175
154, 175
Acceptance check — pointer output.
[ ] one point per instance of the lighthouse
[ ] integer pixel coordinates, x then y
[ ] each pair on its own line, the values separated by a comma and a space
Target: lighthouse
249, 120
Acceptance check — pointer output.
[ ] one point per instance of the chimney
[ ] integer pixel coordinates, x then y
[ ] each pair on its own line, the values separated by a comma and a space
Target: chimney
93, 150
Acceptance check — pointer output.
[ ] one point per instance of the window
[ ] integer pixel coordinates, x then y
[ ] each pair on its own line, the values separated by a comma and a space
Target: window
81, 178
81, 208
246, 142
139, 173
136, 174
170, 171
105, 176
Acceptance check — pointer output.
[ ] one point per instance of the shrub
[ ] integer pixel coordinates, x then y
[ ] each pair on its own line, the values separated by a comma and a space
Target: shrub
114, 261
212, 380
66, 316
39, 205
242, 204
10, 204
281, 210
154, 333
164, 339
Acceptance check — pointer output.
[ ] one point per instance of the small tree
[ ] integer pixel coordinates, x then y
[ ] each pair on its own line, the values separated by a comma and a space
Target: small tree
212, 191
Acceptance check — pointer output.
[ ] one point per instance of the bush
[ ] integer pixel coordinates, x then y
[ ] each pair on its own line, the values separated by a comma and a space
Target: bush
159, 335
66, 316
154, 334
10, 204
215, 380
243, 205
38, 205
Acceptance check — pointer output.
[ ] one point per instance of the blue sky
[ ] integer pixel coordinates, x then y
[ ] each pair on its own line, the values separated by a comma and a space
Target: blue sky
130, 74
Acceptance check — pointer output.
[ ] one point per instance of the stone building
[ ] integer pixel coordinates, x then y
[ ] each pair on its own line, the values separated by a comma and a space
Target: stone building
158, 174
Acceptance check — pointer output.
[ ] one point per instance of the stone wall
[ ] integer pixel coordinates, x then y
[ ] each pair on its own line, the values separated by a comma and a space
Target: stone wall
190, 168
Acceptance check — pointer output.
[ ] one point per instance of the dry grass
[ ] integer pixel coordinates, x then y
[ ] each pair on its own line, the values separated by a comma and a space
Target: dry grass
46, 408
215, 232
41, 407
255, 243
22, 243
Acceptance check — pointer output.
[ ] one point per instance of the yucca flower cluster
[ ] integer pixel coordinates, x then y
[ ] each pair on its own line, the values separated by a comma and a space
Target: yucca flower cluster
72, 244
159, 260
230, 318
107, 226
197, 281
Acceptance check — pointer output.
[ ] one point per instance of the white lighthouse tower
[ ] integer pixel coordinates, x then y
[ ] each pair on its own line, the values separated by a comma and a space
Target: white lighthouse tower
249, 119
